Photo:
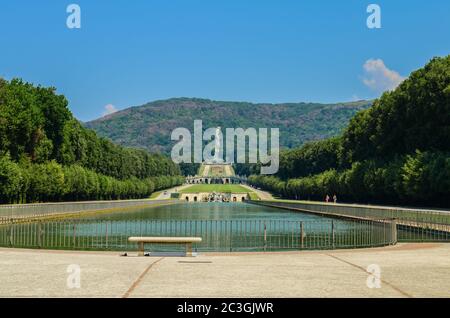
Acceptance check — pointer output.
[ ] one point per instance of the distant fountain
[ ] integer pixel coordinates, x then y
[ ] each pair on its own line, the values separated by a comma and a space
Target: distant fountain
218, 197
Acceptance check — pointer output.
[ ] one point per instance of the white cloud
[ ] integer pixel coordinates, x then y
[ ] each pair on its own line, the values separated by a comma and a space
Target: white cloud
380, 78
109, 109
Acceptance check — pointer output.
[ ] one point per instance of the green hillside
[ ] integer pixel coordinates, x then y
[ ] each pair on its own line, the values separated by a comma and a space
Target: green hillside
149, 126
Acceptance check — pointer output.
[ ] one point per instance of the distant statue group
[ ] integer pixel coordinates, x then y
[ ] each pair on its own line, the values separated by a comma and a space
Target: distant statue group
218, 197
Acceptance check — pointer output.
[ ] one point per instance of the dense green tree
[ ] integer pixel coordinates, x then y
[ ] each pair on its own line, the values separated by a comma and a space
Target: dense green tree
47, 182
415, 116
20, 119
396, 152
47, 155
10, 179
312, 158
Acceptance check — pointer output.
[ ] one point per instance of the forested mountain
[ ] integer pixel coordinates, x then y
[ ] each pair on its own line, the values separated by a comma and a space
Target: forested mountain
149, 126
47, 155
396, 152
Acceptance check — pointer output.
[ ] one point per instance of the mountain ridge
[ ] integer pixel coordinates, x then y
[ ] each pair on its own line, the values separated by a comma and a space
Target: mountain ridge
149, 126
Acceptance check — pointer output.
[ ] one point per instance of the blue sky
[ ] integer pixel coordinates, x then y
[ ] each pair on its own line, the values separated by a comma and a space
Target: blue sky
130, 52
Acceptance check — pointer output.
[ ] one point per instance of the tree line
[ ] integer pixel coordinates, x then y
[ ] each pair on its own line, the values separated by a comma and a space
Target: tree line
396, 152
47, 155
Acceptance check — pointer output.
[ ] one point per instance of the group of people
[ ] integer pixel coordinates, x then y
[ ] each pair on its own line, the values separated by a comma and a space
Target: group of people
328, 198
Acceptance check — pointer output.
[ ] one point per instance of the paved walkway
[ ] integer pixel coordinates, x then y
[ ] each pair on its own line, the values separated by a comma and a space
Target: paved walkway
407, 270
263, 195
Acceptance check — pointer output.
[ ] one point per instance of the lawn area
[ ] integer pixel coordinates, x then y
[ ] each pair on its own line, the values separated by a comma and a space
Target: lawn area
223, 188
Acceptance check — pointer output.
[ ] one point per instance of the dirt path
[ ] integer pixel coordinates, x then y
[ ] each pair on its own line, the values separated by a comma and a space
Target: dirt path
406, 270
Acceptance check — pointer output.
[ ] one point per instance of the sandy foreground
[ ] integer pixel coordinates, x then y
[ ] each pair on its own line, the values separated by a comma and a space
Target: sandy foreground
404, 270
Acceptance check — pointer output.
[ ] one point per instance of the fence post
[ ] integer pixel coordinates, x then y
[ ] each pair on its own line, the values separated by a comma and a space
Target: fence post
265, 237
231, 235
40, 234
394, 231
74, 234
10, 236
302, 235
372, 234
106, 239
332, 234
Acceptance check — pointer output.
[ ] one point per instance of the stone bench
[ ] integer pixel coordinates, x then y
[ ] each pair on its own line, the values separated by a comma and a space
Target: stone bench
141, 241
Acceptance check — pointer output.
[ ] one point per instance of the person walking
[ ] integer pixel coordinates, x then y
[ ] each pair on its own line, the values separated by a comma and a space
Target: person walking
335, 198
327, 198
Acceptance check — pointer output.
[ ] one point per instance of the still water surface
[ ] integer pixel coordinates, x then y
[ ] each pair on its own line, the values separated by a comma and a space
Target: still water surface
222, 226
209, 211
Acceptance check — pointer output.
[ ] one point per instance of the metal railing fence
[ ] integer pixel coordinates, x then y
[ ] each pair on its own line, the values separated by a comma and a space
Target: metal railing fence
39, 210
364, 211
217, 235
412, 225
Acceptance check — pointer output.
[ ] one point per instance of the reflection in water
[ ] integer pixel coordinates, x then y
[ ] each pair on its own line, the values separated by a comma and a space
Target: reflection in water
223, 226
